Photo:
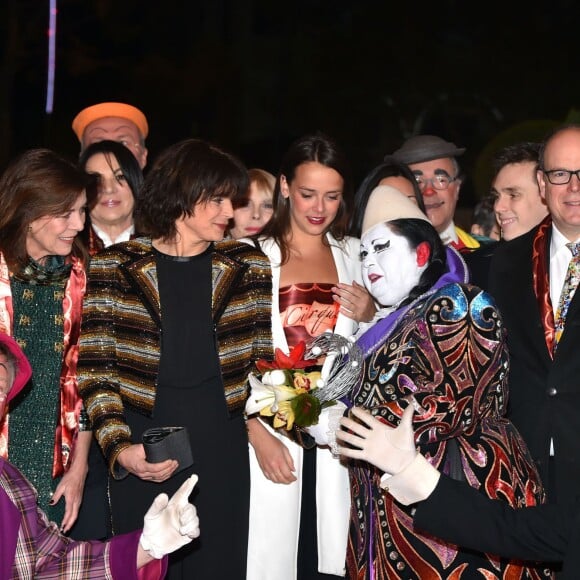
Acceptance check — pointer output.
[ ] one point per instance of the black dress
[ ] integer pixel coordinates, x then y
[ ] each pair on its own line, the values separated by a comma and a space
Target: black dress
190, 393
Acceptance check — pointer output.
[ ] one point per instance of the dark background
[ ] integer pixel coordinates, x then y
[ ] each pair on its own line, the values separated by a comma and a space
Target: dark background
252, 75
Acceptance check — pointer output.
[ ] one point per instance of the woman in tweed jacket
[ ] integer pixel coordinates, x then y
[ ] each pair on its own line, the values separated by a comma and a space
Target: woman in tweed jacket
173, 324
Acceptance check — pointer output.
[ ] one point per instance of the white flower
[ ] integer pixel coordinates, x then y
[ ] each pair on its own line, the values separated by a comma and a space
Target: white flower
264, 395
274, 378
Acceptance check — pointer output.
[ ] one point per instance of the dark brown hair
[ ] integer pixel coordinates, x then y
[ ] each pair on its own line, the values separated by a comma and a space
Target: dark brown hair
321, 149
37, 183
185, 174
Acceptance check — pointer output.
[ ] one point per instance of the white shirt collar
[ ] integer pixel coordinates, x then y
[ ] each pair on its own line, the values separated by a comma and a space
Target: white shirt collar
449, 234
124, 236
558, 241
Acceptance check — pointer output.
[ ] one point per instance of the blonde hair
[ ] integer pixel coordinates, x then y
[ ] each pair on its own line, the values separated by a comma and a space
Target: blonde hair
263, 179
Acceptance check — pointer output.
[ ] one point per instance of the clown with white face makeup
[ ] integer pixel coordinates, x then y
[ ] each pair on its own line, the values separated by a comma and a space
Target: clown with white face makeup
437, 343
391, 264
391, 268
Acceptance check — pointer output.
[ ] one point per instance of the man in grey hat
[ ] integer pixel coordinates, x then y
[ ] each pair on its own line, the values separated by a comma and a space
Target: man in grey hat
433, 161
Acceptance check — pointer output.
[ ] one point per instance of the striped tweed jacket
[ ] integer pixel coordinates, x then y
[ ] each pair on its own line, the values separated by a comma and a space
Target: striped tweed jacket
121, 332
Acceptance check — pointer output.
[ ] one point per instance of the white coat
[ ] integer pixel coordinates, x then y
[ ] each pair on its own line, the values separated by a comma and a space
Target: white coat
274, 507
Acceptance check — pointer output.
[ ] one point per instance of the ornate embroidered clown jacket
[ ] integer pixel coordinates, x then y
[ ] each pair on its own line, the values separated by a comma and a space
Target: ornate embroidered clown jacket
447, 349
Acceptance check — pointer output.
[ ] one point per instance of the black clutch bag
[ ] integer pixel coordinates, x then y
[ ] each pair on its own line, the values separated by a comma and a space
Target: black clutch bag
163, 443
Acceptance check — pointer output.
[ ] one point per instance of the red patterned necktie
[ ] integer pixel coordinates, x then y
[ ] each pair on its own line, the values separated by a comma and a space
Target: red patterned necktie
570, 284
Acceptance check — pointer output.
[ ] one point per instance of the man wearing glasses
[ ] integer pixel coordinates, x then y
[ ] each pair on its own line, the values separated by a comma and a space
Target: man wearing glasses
533, 279
433, 161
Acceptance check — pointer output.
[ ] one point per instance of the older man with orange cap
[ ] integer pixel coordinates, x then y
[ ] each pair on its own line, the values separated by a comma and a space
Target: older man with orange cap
115, 121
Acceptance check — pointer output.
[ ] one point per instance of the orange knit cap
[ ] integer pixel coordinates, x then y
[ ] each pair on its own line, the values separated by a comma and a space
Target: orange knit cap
101, 110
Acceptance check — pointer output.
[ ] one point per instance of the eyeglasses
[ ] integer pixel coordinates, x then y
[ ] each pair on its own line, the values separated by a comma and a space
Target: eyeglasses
438, 182
561, 176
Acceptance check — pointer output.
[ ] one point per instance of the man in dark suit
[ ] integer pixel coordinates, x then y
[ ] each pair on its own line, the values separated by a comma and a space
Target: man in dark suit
455, 511
526, 278
517, 204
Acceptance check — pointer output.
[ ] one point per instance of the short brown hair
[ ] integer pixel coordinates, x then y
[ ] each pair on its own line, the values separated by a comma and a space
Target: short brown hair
185, 174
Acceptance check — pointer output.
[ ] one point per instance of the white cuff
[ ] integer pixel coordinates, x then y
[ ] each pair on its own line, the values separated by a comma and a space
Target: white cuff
324, 432
415, 483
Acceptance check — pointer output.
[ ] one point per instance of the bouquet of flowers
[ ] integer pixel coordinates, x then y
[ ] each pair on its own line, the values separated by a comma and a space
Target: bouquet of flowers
291, 388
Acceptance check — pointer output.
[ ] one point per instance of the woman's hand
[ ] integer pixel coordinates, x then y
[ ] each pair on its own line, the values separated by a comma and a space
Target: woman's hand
71, 487
273, 456
72, 483
355, 301
133, 460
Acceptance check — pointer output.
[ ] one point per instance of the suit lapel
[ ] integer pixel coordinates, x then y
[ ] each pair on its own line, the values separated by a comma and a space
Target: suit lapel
541, 281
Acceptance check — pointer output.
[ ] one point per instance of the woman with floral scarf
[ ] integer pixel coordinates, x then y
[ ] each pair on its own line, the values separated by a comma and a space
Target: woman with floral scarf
42, 284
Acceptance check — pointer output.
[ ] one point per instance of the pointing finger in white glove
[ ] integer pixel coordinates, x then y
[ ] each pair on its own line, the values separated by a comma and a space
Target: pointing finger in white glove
170, 523
388, 449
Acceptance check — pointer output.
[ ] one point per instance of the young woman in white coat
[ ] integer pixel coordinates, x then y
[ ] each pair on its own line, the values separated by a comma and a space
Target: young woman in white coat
300, 497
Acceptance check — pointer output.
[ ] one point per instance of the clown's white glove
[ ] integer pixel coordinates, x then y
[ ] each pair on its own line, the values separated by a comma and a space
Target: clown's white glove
169, 524
324, 432
388, 449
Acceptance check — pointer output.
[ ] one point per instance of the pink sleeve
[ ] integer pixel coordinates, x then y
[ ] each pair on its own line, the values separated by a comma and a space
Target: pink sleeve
124, 556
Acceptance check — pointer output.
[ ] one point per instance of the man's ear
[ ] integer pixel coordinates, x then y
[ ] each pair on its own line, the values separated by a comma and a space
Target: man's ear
423, 253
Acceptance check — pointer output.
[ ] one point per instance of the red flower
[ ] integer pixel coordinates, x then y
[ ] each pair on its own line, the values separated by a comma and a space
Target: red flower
281, 360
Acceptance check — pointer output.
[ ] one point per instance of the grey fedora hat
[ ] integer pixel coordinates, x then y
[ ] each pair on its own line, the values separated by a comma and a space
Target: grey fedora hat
426, 148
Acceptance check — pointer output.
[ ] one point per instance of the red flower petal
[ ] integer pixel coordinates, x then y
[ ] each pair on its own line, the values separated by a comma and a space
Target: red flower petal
297, 353
282, 360
264, 365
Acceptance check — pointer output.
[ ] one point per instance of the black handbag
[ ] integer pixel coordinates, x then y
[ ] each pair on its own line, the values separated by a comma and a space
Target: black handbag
163, 443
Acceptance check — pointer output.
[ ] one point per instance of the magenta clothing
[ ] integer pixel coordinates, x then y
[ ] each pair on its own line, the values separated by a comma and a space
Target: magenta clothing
32, 547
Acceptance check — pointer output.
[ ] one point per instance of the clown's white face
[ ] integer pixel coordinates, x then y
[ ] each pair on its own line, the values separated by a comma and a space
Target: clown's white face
390, 268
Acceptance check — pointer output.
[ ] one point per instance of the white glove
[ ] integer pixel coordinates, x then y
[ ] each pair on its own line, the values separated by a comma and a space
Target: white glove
388, 449
170, 523
328, 423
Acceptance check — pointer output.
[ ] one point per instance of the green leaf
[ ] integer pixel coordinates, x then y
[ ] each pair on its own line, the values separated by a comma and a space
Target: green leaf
306, 409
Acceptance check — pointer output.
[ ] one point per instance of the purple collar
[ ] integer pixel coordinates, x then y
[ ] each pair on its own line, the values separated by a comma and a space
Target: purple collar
10, 520
457, 272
